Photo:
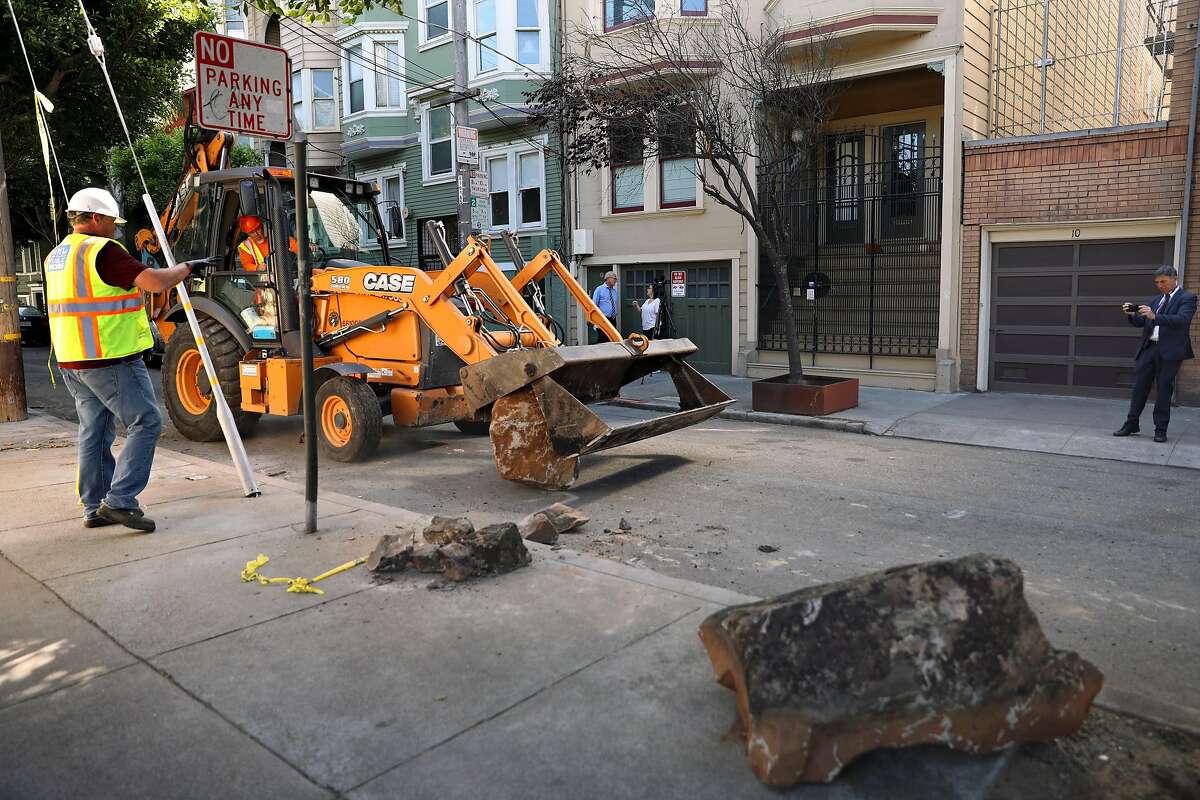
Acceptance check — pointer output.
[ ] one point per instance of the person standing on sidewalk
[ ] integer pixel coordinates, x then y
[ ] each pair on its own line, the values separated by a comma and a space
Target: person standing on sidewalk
99, 331
649, 312
605, 298
1166, 343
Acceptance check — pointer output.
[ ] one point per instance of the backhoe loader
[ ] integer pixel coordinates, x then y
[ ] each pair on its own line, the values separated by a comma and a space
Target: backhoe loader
465, 344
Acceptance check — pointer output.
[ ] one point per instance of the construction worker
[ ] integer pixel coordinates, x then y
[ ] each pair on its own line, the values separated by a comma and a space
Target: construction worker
99, 331
260, 316
255, 248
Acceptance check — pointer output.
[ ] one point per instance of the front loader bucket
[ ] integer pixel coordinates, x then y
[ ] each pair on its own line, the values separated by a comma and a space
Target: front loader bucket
540, 423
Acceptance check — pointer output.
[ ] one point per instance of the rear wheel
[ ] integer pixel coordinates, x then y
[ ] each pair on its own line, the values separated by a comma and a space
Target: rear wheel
350, 418
187, 390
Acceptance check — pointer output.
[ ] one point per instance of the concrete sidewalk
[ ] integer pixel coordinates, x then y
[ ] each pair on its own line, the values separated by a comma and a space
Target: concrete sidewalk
1077, 426
141, 666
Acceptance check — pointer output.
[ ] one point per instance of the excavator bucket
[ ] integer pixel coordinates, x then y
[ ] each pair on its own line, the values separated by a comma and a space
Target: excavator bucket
541, 424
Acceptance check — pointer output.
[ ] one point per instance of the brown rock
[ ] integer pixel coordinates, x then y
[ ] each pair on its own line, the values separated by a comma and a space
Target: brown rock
944, 652
444, 530
458, 562
537, 527
563, 517
498, 548
391, 554
427, 558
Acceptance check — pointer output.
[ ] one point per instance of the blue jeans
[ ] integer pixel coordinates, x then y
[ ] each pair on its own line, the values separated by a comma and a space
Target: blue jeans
103, 396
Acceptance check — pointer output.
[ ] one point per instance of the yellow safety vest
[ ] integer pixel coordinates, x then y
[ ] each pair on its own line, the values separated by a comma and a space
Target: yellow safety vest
90, 320
258, 256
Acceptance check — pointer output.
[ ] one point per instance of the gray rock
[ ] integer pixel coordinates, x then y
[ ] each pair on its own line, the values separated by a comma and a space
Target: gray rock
392, 553
458, 561
563, 517
499, 548
624, 525
943, 652
427, 558
537, 527
444, 530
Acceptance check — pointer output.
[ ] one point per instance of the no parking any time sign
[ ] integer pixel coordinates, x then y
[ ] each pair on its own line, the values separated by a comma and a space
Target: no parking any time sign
243, 86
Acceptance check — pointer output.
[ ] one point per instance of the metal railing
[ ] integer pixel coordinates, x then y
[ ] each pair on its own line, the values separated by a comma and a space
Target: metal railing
1067, 65
874, 228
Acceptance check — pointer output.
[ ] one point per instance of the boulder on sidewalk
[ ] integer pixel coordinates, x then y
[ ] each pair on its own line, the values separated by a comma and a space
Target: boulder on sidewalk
391, 554
537, 527
943, 652
444, 530
499, 548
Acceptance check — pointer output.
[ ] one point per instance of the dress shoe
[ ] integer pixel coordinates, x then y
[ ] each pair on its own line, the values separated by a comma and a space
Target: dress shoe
1160, 436
95, 522
129, 517
1128, 429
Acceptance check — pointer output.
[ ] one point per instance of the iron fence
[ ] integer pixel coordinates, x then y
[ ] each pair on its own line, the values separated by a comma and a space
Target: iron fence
874, 228
1067, 65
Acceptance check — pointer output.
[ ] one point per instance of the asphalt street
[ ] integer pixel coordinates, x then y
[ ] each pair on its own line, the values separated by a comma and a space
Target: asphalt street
1111, 550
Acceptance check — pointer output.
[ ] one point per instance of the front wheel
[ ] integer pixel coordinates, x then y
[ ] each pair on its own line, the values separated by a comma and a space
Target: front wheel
350, 418
186, 387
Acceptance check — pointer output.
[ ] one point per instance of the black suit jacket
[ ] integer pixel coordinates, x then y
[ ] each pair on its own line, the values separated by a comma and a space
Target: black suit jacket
1174, 323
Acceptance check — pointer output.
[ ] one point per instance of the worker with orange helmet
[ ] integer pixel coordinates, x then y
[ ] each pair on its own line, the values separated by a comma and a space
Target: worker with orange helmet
254, 249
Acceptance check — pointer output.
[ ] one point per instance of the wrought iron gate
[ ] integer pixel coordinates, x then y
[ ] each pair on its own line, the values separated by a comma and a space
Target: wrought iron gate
868, 216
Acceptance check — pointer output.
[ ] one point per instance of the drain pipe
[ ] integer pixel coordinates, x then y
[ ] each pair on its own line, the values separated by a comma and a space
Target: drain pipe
1191, 156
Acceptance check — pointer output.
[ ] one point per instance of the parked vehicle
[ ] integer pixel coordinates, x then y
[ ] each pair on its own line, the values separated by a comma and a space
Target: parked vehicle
35, 327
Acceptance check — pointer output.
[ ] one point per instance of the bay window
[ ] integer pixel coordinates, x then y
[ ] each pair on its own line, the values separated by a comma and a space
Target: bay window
355, 79
509, 34
372, 73
324, 105
389, 93
298, 120
516, 188
485, 33
619, 13
529, 33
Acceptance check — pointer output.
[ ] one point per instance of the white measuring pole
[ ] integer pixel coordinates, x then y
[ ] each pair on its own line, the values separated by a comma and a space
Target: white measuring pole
233, 439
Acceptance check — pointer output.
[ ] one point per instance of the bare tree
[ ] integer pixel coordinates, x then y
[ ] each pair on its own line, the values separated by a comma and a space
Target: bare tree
749, 107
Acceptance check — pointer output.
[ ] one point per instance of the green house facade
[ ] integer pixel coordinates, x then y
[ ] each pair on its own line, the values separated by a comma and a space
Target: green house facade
394, 66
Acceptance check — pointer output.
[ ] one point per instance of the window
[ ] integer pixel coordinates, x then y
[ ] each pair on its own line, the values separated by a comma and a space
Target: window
437, 19
498, 190
354, 69
618, 13
625, 164
324, 106
516, 180
388, 91
391, 209
439, 147
693, 8
298, 101
529, 172
676, 169
235, 23
529, 33
485, 33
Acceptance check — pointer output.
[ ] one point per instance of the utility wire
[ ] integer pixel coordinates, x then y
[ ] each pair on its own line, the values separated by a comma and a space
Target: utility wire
331, 40
477, 41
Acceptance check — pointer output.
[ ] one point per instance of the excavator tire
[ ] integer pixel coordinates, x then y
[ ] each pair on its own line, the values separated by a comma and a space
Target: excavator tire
474, 427
186, 388
349, 418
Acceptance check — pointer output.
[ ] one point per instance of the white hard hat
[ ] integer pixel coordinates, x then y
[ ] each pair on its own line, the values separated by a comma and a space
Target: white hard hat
96, 201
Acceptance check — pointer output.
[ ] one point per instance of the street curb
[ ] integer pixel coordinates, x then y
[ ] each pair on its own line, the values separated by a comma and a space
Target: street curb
834, 424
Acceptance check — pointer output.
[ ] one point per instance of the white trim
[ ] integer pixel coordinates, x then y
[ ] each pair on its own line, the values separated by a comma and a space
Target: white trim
368, 29
895, 63
424, 41
311, 107
948, 354
1088, 230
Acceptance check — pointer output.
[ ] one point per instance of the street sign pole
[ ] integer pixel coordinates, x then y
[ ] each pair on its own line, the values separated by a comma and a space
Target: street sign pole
458, 20
308, 392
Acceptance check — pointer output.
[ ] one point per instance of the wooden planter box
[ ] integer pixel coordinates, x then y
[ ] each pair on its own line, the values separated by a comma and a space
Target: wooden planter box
817, 396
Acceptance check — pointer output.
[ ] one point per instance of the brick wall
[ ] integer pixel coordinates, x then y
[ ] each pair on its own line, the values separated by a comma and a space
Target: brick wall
1081, 179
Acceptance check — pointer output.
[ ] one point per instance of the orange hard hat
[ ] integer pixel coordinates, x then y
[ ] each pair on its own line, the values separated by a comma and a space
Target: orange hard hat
249, 223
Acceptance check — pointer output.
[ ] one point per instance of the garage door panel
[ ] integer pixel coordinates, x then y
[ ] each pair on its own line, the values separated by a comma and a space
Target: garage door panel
1031, 373
1059, 328
1033, 315
1133, 253
1119, 285
1034, 286
1033, 344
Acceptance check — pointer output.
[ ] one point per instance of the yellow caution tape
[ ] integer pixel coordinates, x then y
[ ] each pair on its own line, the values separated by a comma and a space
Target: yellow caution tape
11, 337
7, 279
295, 585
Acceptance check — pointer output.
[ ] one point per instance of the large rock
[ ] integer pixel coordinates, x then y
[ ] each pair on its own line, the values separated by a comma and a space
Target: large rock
499, 548
563, 517
945, 652
537, 527
444, 530
391, 554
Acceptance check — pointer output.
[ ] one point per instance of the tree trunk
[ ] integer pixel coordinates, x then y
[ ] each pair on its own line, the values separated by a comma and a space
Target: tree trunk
787, 310
12, 370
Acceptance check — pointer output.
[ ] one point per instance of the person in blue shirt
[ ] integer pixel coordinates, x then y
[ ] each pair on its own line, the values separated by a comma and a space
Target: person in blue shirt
605, 298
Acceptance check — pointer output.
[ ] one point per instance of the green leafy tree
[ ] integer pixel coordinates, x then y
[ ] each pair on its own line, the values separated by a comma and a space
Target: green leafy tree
148, 44
163, 162
322, 10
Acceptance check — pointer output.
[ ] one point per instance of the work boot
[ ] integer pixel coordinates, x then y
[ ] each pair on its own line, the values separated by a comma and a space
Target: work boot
129, 517
1160, 436
1128, 429
95, 522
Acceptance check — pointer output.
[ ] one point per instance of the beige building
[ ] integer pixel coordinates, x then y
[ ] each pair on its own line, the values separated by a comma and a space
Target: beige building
884, 201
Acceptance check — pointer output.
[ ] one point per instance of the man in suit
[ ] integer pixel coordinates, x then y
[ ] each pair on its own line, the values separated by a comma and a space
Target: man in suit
1166, 343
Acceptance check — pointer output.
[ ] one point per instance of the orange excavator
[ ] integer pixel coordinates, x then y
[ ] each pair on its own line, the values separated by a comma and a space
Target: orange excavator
465, 344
